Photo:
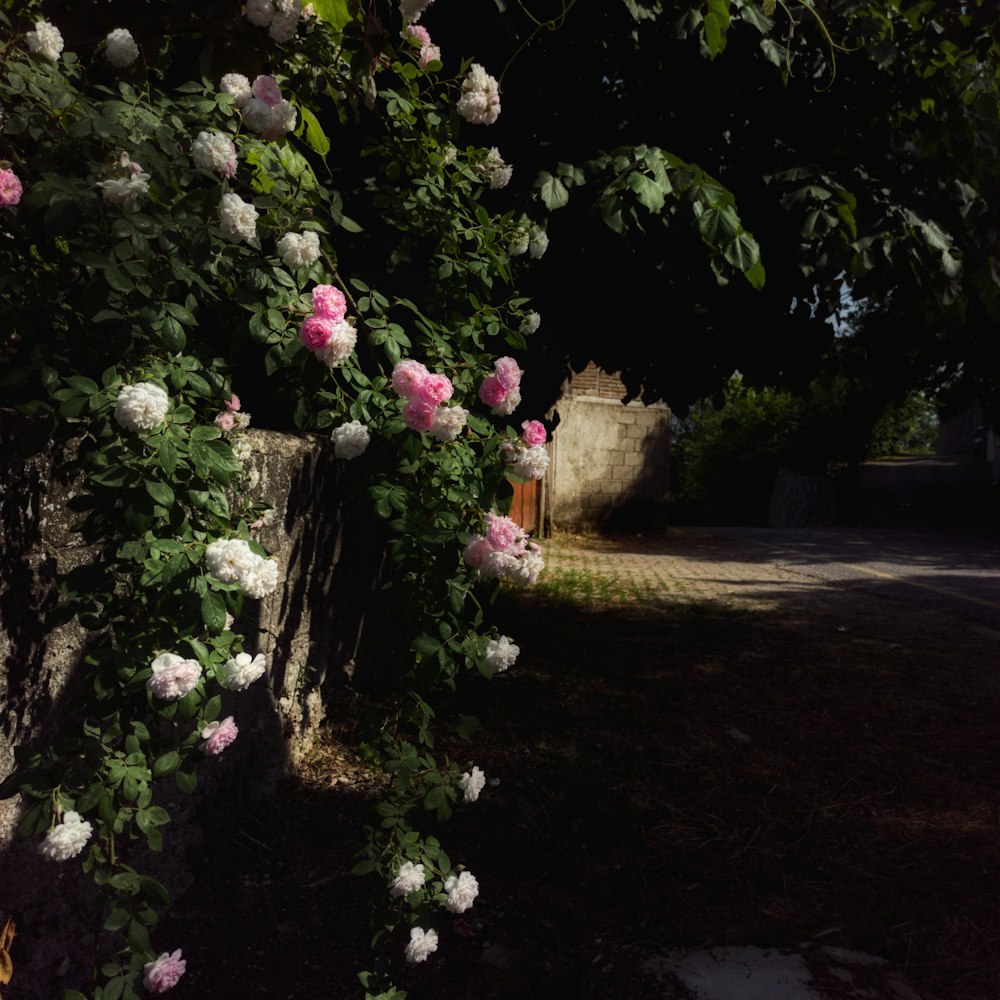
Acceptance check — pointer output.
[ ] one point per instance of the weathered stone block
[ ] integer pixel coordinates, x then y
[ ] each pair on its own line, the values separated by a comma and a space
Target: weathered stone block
330, 557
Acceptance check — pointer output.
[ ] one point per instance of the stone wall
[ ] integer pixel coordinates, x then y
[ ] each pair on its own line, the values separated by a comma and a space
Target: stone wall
330, 557
606, 454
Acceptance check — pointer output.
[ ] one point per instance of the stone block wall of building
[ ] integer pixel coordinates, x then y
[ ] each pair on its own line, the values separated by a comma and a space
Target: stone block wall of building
605, 454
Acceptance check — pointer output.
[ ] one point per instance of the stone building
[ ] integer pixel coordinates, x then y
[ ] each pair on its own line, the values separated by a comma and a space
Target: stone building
605, 455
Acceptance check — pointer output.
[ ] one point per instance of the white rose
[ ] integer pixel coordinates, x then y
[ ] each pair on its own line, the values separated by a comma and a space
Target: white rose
120, 190
261, 578
350, 439
141, 407
216, 152
472, 784
539, 243
260, 12
45, 41
237, 219
518, 242
238, 673
531, 463
237, 85
500, 654
462, 891
508, 405
340, 345
299, 249
421, 944
480, 100
283, 27
448, 422
409, 878
412, 9
66, 840
531, 322
495, 170
120, 49
229, 559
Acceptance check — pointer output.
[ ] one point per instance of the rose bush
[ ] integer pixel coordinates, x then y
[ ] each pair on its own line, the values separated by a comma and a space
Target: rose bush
167, 229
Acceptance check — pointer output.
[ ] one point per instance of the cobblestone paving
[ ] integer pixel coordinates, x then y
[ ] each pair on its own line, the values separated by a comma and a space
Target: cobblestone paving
684, 565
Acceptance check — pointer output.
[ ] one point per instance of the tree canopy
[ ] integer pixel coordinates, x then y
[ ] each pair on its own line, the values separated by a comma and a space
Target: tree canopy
852, 141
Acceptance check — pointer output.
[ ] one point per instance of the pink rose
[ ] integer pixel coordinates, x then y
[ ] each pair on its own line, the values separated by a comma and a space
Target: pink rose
408, 378
504, 533
436, 389
329, 302
173, 676
225, 420
234, 402
218, 735
492, 391
508, 372
10, 188
266, 89
316, 331
164, 973
533, 433
419, 414
419, 33
477, 550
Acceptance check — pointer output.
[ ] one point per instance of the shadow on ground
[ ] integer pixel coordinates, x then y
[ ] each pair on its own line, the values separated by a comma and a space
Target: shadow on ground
670, 774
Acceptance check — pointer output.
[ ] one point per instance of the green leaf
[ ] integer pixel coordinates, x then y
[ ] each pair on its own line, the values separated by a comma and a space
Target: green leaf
117, 919
154, 838
435, 797
138, 938
336, 13
315, 136
426, 645
172, 334
213, 612
130, 788
649, 193
125, 882
166, 764
181, 314
117, 280
89, 798
166, 455
716, 24
83, 383
553, 192
742, 252
153, 890
160, 492
212, 708
755, 275
205, 432
187, 781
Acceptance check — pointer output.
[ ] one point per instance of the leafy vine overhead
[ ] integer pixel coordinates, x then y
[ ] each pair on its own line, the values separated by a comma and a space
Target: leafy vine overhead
288, 210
